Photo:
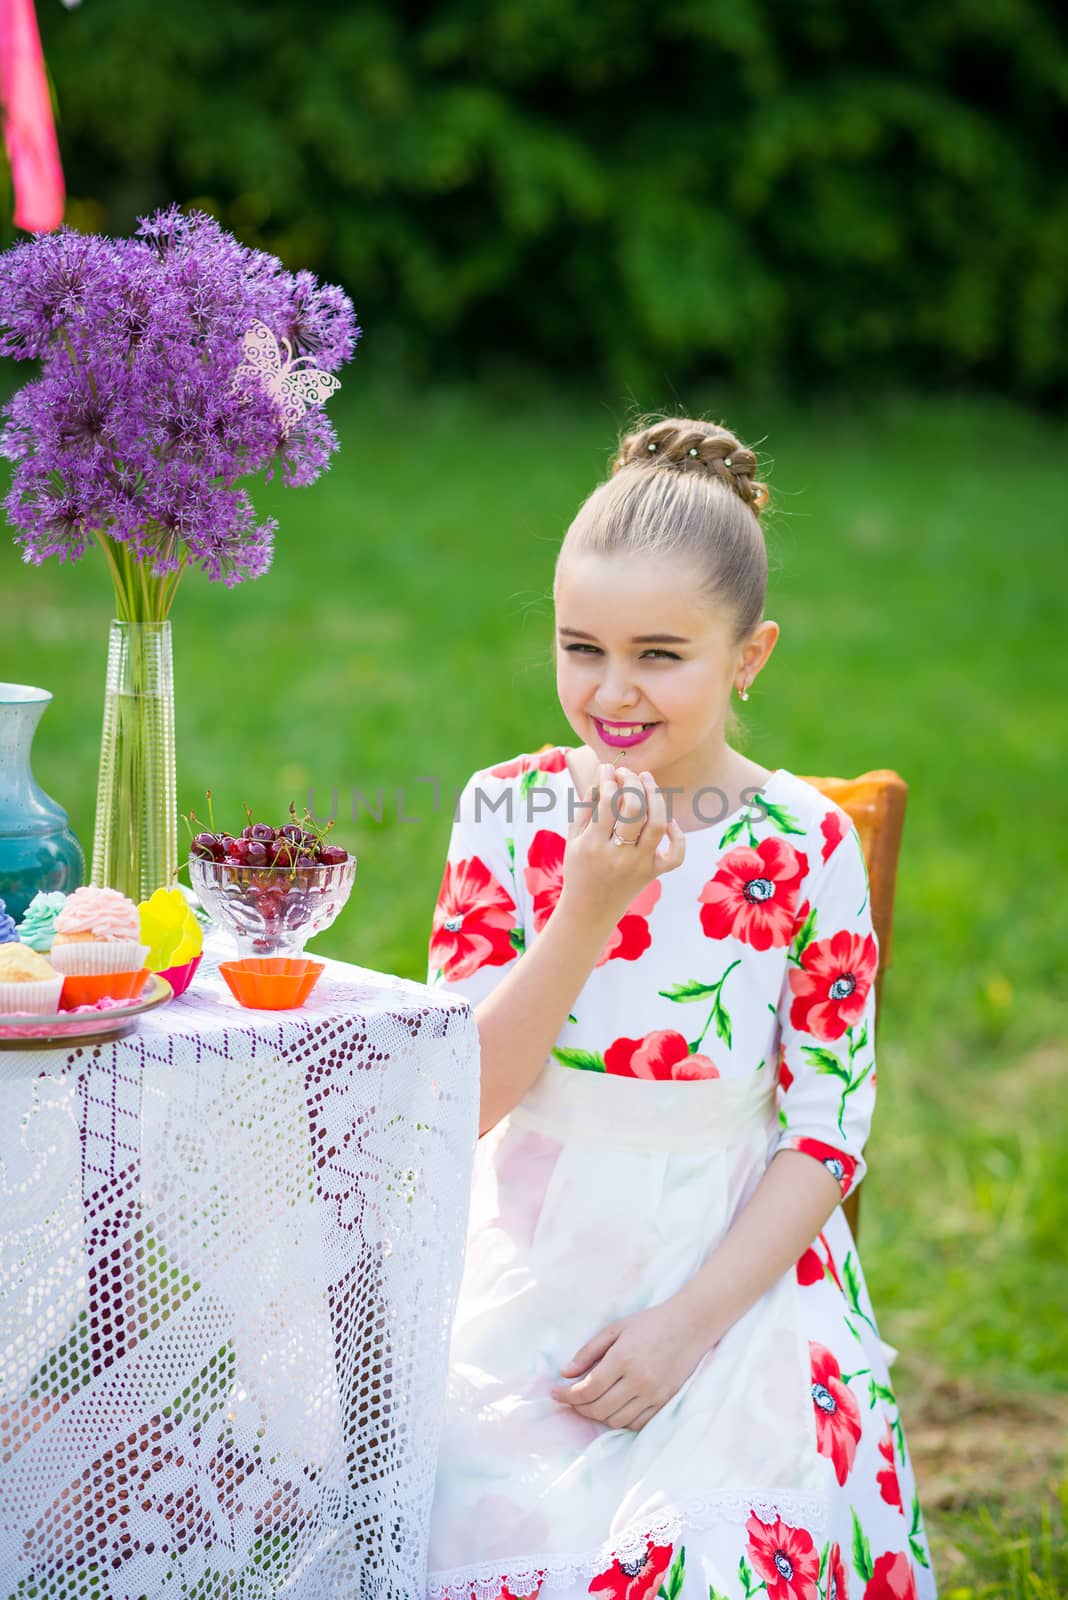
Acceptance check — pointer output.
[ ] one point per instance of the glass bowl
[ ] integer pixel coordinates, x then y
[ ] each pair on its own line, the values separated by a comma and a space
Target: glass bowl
271, 911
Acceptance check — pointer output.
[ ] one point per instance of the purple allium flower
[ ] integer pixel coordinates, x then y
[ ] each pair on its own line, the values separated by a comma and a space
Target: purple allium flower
134, 431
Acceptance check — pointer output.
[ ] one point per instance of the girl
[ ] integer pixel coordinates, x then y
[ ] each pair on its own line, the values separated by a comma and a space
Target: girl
666, 1377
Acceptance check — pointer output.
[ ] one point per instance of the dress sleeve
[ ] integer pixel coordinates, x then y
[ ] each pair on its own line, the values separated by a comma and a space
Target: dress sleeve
477, 933
826, 1017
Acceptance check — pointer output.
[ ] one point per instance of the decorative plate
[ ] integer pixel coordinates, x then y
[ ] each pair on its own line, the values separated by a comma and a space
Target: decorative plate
61, 1028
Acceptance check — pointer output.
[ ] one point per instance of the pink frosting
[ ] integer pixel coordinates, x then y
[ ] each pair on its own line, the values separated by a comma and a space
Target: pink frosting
104, 913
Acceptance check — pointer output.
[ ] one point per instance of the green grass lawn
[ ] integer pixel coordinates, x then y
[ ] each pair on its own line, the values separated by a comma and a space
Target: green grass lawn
919, 569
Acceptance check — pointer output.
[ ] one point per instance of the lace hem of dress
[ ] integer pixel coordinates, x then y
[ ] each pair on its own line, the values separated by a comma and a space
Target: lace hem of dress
523, 1575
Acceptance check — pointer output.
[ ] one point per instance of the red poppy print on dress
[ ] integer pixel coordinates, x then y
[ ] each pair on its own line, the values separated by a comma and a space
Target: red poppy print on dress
801, 913
832, 983
834, 826
812, 1267
634, 1580
786, 1077
544, 874
842, 1167
473, 920
838, 1425
544, 878
889, 1486
836, 1575
554, 760
785, 1557
630, 938
663, 1054
753, 895
894, 1578
809, 1268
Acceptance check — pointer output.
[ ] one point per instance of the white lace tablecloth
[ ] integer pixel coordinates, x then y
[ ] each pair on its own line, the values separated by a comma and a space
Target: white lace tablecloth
231, 1245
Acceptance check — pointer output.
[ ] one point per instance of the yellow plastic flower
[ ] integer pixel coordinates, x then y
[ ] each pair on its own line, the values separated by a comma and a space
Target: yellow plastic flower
171, 931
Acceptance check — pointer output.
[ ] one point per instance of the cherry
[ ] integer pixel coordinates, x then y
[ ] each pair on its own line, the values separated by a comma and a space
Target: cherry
292, 832
263, 832
207, 847
238, 850
283, 854
246, 833
333, 855
307, 861
257, 854
296, 911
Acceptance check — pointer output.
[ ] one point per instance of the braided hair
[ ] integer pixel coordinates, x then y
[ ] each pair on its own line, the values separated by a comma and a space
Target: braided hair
701, 447
684, 490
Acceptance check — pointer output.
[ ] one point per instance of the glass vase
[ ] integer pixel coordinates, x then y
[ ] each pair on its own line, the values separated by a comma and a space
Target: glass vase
135, 845
37, 849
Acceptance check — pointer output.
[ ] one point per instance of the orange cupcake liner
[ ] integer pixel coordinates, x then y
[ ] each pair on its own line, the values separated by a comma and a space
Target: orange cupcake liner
271, 983
86, 988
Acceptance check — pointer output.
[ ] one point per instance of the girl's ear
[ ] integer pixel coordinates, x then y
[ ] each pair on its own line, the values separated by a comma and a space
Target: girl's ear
757, 648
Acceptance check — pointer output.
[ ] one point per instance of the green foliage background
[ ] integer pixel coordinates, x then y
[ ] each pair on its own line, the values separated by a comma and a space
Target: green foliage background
757, 188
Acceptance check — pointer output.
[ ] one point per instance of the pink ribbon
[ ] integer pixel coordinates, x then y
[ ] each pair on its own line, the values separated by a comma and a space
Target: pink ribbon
29, 131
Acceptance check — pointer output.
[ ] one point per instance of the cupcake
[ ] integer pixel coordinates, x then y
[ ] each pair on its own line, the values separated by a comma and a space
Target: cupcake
8, 931
29, 985
38, 925
98, 931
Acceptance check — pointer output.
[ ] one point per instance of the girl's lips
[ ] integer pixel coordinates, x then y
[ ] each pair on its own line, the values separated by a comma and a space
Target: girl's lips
617, 742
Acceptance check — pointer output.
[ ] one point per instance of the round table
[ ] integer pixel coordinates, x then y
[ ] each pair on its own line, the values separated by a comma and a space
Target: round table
231, 1245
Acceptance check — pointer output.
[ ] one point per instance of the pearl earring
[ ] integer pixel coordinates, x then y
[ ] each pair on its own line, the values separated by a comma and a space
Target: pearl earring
743, 694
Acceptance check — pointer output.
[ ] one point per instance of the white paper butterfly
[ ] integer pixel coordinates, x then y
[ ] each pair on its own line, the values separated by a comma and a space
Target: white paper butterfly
293, 384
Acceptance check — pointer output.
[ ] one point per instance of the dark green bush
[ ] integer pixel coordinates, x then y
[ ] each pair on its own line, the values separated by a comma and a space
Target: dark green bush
649, 192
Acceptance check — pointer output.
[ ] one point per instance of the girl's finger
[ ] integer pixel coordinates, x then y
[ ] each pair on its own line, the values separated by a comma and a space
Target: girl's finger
627, 1413
588, 1390
583, 812
588, 804
675, 854
639, 1423
656, 825
629, 806
604, 820
653, 795
591, 1352
612, 1400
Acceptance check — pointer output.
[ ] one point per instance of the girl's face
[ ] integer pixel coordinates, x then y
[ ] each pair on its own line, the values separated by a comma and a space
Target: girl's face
637, 649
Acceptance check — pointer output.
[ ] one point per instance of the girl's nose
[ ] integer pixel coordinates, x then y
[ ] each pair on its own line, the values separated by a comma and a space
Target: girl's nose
618, 690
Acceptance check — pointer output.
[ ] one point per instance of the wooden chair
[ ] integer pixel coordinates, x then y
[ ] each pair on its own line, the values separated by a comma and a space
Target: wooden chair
876, 802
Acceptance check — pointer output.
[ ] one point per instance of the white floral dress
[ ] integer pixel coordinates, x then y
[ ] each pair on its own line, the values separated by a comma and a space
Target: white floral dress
730, 1015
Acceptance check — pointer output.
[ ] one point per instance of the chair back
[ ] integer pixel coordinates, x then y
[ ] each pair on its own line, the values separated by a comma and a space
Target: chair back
876, 802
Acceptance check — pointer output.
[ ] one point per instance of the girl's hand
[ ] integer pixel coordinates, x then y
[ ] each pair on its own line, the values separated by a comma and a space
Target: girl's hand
635, 1366
601, 878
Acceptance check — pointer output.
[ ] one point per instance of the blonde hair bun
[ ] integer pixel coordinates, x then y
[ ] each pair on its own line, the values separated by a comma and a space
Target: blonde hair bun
685, 444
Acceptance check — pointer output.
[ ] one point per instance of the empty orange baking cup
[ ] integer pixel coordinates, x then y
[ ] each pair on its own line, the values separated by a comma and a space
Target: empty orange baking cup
271, 983
86, 988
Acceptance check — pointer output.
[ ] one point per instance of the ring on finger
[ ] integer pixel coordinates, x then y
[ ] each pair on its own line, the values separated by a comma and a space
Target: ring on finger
617, 838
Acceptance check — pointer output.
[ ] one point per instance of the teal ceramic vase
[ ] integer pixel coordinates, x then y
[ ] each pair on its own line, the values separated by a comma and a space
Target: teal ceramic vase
37, 848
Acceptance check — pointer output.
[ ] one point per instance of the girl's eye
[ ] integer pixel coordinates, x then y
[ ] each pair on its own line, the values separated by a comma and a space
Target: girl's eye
668, 655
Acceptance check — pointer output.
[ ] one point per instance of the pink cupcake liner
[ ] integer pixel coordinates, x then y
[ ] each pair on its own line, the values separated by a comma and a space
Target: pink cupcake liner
180, 978
98, 956
37, 999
